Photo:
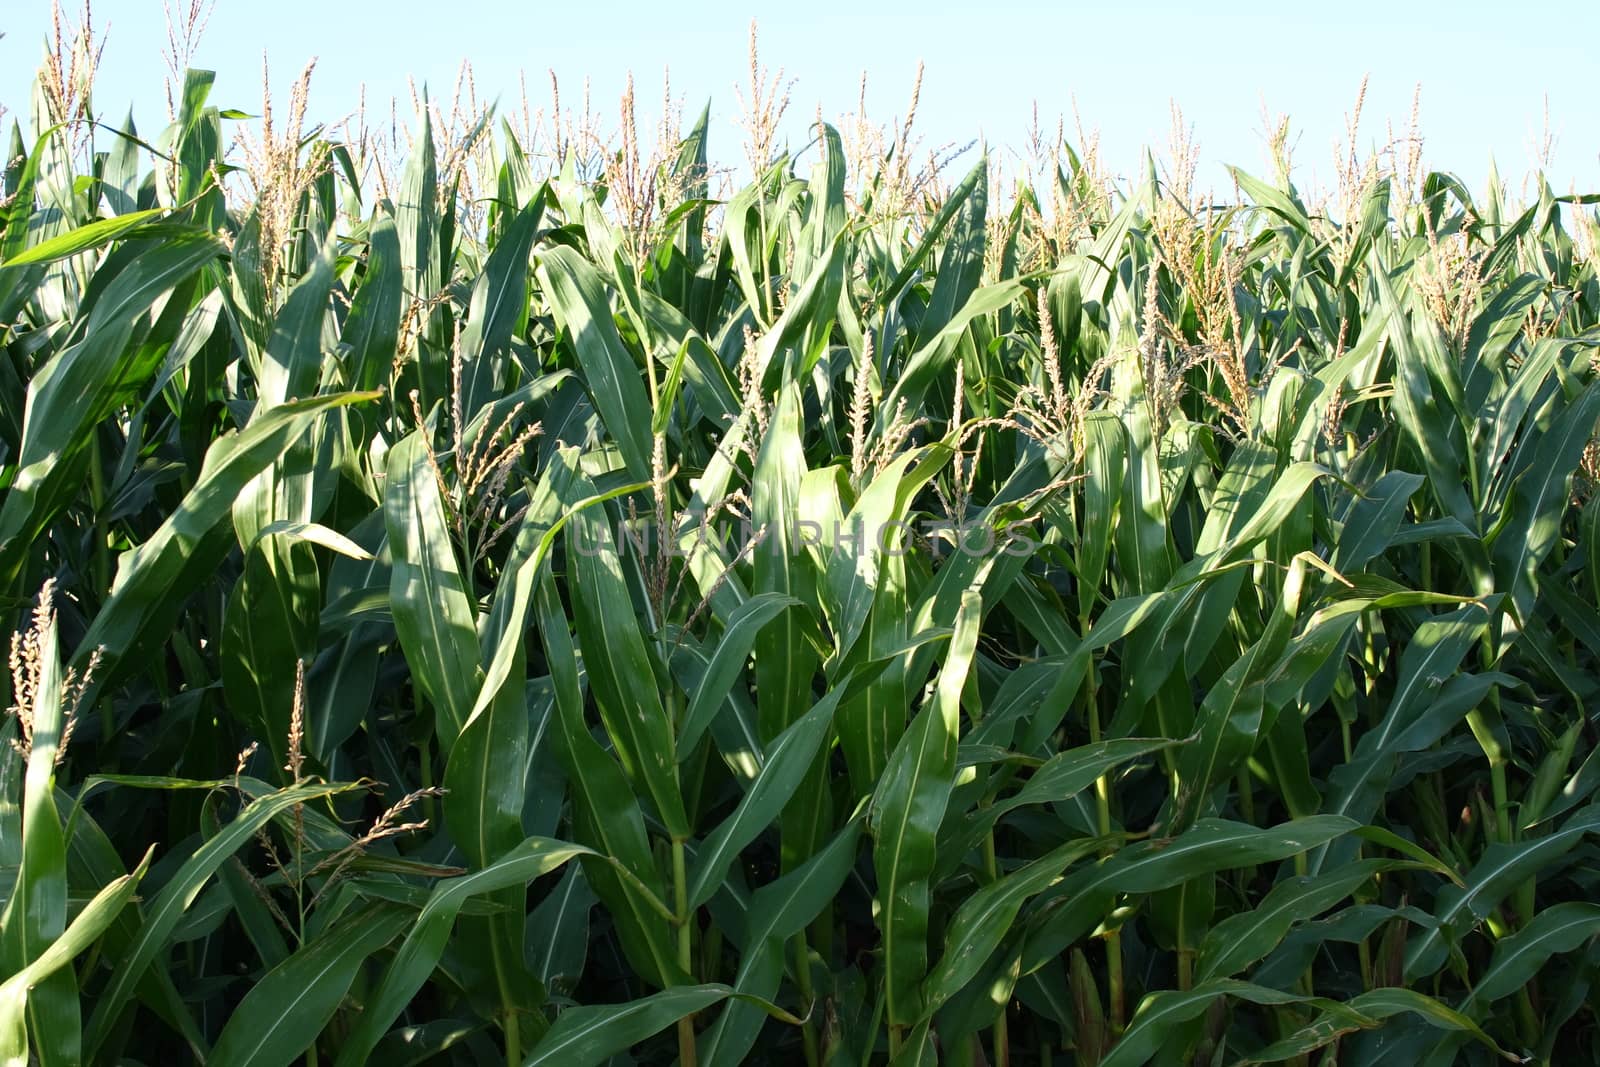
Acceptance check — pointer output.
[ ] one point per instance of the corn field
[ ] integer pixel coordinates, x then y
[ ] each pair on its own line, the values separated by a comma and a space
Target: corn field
566, 607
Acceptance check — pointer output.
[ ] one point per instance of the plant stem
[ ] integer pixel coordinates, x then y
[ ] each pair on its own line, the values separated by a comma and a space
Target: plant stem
1525, 894
1002, 1040
802, 974
1502, 803
1247, 799
513, 1037
1185, 953
97, 497
425, 761
680, 890
1102, 802
511, 1023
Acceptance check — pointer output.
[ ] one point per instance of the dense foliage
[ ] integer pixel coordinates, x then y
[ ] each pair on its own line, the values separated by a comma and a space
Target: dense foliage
465, 617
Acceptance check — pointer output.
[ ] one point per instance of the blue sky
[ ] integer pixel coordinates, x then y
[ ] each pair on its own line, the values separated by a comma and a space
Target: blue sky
1485, 69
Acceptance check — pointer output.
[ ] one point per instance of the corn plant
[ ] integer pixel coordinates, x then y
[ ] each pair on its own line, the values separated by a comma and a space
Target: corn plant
535, 606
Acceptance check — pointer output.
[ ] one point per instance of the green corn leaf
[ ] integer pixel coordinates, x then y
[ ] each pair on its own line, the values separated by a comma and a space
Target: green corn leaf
372, 328
727, 663
1240, 940
787, 759
1434, 653
1213, 845
904, 818
1539, 499
433, 611
426, 939
607, 813
498, 300
417, 217
1058, 780
578, 300
1519, 957
86, 928
72, 393
784, 660
270, 621
875, 524
1367, 1011
1160, 1013
162, 916
584, 1036
986, 916
620, 670
282, 1014
36, 914
81, 239
154, 578
778, 911
1501, 869
558, 931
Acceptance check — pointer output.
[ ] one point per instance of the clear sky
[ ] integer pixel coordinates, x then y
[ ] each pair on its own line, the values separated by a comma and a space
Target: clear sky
1486, 69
